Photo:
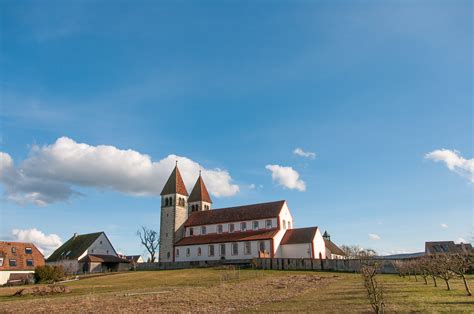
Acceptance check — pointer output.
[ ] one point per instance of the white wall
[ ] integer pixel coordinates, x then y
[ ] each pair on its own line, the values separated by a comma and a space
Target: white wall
301, 250
225, 226
319, 245
286, 216
101, 246
5, 274
205, 251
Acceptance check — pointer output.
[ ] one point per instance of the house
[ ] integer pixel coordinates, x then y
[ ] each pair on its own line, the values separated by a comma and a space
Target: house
448, 247
134, 259
191, 231
88, 253
332, 250
18, 261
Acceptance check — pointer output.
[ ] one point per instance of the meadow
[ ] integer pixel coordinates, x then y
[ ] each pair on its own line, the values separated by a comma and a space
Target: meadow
246, 290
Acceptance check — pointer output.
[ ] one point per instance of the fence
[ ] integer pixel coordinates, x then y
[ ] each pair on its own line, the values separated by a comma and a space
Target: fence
342, 265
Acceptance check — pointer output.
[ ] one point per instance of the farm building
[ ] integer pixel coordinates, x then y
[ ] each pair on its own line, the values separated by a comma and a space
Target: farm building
18, 261
191, 231
88, 253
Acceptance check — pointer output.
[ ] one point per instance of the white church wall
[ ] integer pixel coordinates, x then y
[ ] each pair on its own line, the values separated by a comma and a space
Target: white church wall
284, 216
319, 245
193, 251
301, 250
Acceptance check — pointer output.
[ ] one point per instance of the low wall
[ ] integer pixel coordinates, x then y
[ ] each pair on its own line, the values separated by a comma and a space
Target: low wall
184, 265
343, 265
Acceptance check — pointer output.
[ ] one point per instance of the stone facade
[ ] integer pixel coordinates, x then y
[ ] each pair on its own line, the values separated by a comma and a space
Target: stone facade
173, 216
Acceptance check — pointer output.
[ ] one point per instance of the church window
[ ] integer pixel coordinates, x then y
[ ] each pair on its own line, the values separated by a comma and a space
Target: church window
289, 224
268, 223
177, 252
231, 227
211, 250
219, 228
243, 226
188, 251
166, 201
199, 251
248, 248
262, 246
203, 230
284, 224
191, 231
222, 249
235, 249
255, 225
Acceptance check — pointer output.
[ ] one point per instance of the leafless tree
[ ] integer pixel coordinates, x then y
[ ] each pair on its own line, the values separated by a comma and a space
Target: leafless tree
150, 240
442, 263
374, 289
356, 252
424, 268
460, 265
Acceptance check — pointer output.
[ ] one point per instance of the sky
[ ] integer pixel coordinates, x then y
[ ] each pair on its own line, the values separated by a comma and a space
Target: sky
358, 113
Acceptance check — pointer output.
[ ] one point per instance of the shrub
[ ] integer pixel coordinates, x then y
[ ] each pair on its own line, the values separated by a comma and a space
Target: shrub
47, 274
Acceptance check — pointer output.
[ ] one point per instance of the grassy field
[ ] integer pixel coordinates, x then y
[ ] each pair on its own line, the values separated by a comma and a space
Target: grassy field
240, 291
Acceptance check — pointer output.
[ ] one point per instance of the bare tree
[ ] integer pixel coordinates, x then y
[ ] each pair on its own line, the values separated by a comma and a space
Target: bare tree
356, 252
150, 240
460, 265
424, 268
442, 263
374, 289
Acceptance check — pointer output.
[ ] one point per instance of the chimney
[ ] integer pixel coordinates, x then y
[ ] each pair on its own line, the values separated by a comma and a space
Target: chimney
75, 235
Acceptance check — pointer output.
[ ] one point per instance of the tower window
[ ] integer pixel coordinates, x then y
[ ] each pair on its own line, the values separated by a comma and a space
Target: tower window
166, 201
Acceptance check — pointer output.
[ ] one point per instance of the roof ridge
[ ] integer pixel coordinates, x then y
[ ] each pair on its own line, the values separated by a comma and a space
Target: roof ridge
174, 184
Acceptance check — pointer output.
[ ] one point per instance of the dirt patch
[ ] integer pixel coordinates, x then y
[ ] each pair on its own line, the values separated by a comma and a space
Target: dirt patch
42, 291
224, 297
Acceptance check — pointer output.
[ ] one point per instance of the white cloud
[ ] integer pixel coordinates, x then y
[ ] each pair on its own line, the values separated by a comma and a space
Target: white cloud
287, 177
460, 240
50, 172
373, 236
454, 161
444, 226
45, 243
300, 152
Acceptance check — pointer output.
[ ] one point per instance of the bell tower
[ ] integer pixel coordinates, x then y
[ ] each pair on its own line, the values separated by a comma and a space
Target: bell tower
174, 200
199, 199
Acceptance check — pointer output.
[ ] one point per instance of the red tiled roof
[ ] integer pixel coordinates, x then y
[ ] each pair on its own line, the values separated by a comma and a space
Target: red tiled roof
228, 237
239, 213
333, 248
20, 256
175, 184
199, 192
103, 259
300, 235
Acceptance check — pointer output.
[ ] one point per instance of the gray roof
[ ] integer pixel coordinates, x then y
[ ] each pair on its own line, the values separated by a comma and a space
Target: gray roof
74, 247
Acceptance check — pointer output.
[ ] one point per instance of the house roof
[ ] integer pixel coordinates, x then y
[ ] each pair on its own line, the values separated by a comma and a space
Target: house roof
300, 235
199, 192
74, 247
175, 184
133, 258
465, 247
331, 246
228, 237
97, 258
19, 255
441, 247
238, 213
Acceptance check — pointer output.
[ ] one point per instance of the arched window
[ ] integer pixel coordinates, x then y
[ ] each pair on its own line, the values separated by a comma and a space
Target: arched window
166, 201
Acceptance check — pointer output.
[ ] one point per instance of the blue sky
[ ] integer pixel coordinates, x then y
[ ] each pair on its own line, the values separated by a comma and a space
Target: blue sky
371, 88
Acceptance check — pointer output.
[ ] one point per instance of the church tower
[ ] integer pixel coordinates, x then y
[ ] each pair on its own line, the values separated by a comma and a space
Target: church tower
174, 199
199, 199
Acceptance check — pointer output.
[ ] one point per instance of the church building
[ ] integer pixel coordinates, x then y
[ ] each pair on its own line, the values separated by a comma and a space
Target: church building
191, 230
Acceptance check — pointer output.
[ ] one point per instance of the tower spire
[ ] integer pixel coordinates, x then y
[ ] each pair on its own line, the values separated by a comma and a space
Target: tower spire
175, 184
